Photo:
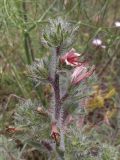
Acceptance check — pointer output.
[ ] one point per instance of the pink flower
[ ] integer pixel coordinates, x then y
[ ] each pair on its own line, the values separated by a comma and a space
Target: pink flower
70, 58
54, 131
80, 73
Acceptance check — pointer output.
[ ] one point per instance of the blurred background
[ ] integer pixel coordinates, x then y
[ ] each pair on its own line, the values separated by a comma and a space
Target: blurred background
21, 26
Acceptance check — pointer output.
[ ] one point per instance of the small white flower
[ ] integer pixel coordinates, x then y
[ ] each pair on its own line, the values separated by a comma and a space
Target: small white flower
117, 23
103, 46
97, 42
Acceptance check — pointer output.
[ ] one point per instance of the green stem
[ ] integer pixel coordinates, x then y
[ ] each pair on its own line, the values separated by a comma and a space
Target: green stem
27, 39
26, 46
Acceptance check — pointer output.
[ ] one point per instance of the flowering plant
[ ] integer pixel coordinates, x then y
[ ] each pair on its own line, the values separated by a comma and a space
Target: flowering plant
69, 79
65, 73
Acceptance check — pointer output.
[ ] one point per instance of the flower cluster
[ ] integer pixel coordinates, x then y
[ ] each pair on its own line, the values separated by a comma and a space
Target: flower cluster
80, 71
70, 58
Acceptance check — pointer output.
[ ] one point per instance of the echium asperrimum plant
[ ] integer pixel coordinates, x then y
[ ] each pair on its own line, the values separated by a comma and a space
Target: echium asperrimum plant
69, 76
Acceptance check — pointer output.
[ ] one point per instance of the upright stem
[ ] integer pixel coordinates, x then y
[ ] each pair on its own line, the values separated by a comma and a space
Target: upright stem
26, 46
57, 96
54, 76
57, 88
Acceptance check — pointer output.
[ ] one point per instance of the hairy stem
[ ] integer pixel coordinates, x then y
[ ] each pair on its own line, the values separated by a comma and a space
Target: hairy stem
57, 96
57, 90
54, 80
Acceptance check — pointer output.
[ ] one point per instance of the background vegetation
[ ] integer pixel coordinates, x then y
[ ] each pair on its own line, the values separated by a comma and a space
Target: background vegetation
21, 26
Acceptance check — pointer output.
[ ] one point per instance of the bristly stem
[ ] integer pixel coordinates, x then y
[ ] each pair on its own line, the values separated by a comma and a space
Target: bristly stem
57, 96
57, 90
54, 80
